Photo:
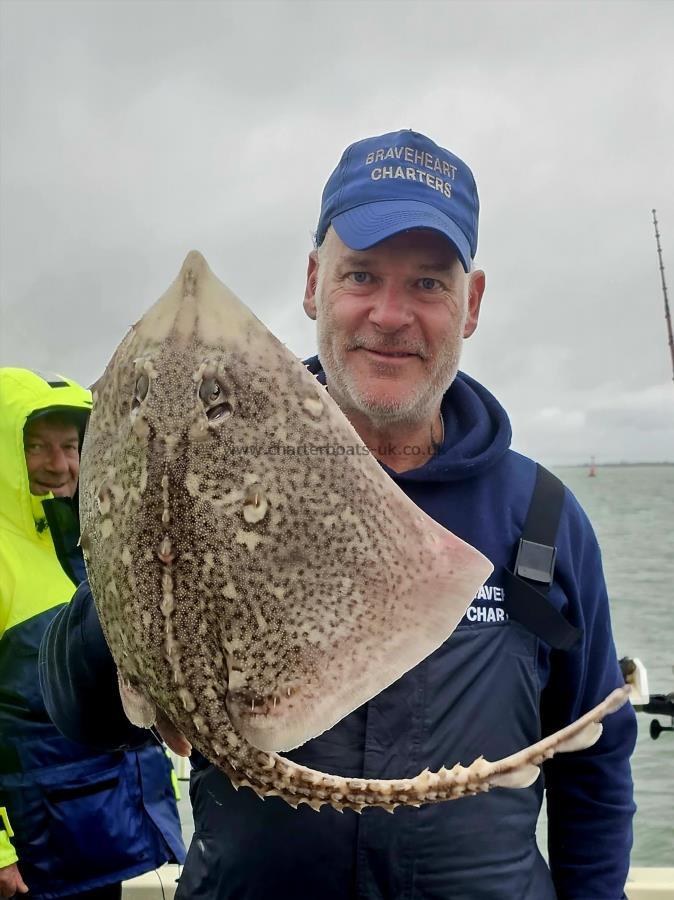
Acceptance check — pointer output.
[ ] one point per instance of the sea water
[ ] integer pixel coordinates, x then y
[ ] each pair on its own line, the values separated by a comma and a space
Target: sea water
632, 511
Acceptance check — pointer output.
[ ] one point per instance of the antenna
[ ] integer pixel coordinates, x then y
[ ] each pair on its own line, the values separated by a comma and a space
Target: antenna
668, 318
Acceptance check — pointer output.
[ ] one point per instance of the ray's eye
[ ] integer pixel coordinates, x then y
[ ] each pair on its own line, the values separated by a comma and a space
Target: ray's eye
140, 392
210, 391
212, 396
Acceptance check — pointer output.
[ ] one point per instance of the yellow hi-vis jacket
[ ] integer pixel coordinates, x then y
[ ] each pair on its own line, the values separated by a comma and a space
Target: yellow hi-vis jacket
32, 579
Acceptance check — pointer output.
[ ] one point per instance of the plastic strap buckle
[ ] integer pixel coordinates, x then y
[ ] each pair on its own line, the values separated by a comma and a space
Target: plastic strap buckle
535, 561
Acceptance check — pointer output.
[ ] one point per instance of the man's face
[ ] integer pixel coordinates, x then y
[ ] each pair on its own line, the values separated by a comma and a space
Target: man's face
391, 321
52, 456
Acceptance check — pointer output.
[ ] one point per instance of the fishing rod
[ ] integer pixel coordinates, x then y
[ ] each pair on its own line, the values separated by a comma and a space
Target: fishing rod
668, 318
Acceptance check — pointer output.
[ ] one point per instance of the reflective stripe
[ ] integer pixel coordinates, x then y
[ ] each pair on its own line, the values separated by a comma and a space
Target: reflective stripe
52, 379
5, 821
7, 852
174, 776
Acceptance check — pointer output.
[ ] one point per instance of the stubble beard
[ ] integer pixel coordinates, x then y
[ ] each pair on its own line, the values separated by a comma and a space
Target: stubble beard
413, 408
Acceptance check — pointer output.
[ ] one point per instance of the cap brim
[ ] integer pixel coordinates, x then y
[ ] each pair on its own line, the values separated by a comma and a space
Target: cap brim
78, 415
364, 226
76, 412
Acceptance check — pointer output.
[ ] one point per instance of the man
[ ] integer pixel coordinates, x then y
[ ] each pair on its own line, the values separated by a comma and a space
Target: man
72, 821
392, 287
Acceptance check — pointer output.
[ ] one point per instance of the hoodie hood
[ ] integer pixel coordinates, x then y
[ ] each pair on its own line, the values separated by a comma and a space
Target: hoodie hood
24, 394
477, 432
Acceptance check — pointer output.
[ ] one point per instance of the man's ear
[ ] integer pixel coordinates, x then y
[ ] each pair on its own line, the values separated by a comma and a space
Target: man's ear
310, 289
475, 291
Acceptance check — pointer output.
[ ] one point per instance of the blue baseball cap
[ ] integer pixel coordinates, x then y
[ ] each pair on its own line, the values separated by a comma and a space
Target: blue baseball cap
394, 182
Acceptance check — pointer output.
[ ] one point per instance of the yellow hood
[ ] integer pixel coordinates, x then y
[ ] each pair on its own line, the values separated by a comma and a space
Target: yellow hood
23, 393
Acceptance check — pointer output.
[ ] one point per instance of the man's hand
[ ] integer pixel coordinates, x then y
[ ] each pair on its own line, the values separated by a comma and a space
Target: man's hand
173, 738
11, 882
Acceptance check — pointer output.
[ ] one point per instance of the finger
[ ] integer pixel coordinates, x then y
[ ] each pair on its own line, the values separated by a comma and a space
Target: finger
173, 738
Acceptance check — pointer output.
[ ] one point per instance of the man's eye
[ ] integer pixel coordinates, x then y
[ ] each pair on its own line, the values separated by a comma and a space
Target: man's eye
360, 277
429, 284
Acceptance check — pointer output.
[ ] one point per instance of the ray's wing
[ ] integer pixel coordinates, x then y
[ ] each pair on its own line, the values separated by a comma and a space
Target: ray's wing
248, 556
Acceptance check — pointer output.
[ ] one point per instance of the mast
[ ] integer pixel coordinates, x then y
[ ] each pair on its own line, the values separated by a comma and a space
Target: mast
668, 318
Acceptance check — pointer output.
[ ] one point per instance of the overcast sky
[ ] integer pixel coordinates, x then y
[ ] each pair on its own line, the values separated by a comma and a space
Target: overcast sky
132, 132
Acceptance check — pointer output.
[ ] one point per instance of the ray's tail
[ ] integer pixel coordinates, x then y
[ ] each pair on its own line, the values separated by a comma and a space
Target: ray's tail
271, 775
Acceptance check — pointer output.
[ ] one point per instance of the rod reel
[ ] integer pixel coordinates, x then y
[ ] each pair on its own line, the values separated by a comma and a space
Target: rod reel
634, 673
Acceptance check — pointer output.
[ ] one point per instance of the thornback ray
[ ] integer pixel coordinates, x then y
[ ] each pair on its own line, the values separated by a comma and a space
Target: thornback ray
257, 574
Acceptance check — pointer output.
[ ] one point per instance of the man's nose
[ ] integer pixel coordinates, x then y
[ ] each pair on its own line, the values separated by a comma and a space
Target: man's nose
57, 461
391, 309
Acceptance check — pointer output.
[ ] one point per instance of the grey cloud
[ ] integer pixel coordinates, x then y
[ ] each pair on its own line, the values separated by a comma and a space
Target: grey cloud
131, 133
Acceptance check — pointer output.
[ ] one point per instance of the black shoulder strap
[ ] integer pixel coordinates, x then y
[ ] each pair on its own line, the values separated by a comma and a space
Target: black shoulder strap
527, 586
63, 522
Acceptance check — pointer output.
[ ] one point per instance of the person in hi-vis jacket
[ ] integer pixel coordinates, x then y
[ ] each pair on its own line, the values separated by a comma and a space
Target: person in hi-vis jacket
74, 821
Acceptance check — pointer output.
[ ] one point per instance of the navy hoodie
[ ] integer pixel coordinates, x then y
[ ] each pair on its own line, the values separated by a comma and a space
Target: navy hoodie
491, 689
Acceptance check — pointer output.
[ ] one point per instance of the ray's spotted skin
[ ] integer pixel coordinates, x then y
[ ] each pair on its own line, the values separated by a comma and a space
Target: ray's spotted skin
256, 583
